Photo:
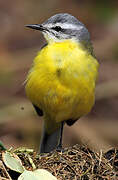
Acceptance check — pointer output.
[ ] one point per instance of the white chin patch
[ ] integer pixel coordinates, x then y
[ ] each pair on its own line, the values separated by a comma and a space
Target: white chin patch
50, 37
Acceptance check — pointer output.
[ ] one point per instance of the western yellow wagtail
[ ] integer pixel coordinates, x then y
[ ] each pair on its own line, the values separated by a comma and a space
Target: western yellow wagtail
61, 81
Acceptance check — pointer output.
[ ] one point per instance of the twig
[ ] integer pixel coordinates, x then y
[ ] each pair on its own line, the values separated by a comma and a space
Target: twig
2, 166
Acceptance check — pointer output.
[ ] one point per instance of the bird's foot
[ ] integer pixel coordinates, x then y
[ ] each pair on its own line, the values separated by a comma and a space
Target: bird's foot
2, 147
59, 149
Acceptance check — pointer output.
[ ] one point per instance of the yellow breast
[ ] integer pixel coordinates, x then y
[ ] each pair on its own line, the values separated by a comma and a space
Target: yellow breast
62, 80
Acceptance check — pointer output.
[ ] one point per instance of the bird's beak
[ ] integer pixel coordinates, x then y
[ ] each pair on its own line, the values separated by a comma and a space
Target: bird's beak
39, 27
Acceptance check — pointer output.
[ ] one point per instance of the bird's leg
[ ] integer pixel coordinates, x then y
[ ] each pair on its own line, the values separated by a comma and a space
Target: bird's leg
59, 146
2, 147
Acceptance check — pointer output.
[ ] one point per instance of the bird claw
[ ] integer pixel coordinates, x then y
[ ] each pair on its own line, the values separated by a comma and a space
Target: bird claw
59, 149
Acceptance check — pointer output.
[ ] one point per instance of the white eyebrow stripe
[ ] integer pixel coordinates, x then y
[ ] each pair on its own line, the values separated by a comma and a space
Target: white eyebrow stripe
65, 26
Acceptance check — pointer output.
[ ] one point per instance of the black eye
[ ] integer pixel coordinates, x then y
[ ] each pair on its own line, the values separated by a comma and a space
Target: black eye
57, 28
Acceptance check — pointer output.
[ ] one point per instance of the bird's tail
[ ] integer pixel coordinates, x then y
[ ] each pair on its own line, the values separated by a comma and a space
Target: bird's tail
50, 141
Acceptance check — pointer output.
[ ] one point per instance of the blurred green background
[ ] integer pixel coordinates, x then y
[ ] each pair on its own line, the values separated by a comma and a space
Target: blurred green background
19, 124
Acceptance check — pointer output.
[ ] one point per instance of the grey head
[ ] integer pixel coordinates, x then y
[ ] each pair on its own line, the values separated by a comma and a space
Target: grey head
64, 26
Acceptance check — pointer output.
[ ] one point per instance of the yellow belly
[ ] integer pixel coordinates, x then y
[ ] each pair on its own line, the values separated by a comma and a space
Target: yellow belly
61, 81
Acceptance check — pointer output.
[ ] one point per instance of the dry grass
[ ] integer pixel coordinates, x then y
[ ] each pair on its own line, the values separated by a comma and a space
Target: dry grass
75, 163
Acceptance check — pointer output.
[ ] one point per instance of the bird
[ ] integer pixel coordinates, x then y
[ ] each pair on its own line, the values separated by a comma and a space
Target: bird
62, 79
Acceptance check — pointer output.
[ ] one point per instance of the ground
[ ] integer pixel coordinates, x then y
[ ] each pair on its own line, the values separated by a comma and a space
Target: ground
75, 163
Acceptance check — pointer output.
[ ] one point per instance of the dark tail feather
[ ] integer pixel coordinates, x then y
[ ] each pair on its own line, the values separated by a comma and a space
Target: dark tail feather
49, 142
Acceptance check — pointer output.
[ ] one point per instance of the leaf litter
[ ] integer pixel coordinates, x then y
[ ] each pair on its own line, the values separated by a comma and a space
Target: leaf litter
74, 163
